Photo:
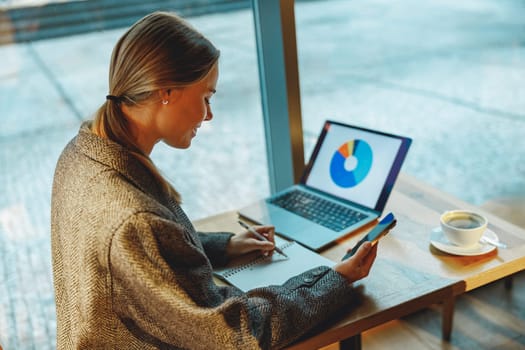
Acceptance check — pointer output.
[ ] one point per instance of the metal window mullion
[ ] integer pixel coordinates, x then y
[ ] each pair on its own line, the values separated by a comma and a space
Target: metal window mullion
280, 95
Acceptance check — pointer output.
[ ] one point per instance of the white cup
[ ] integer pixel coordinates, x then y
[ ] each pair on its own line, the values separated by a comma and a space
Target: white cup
463, 228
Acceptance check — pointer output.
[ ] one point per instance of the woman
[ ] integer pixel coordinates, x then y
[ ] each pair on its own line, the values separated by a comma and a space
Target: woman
130, 272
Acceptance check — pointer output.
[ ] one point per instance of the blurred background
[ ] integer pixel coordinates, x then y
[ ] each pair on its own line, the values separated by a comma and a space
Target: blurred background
448, 74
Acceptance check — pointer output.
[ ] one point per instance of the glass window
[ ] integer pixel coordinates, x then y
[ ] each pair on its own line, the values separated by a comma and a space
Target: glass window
448, 74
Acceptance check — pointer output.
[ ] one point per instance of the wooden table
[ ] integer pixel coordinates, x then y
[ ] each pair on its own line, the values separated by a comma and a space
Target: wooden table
409, 274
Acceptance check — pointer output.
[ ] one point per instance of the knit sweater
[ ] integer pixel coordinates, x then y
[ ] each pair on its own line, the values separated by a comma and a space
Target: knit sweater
131, 272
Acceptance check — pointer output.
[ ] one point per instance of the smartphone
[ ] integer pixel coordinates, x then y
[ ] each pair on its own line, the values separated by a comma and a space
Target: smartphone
381, 229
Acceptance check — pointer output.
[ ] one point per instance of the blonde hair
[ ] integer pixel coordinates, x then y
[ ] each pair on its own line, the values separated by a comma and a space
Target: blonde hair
160, 51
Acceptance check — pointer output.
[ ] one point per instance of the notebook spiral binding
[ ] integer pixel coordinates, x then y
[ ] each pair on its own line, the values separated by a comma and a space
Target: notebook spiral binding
256, 261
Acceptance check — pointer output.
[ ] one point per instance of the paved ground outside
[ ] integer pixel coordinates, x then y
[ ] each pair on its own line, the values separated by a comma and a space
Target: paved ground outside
448, 74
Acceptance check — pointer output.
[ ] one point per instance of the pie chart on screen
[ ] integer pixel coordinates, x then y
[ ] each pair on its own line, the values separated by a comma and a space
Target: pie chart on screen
351, 163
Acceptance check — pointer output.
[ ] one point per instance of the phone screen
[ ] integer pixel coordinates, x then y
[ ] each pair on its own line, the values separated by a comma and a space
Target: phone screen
381, 229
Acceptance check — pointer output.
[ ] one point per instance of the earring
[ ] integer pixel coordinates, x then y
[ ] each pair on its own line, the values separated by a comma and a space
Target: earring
164, 102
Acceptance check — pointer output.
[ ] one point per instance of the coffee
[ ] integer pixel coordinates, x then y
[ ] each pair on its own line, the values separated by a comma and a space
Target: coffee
466, 222
463, 227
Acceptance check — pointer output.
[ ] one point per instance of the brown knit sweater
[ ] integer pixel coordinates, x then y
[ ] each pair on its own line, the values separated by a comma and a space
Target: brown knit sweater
130, 272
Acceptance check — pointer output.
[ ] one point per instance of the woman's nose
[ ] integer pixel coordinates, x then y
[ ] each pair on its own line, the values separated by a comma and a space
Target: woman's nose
209, 114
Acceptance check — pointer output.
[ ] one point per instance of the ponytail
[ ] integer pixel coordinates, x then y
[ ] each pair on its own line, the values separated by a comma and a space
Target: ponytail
110, 123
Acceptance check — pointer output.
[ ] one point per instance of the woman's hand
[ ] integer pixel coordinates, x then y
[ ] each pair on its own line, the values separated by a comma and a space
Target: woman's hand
358, 266
246, 242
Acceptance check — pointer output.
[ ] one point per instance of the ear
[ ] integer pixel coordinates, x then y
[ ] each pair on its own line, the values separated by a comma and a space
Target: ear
169, 94
164, 94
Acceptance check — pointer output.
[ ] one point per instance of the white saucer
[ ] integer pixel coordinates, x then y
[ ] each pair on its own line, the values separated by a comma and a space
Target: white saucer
439, 241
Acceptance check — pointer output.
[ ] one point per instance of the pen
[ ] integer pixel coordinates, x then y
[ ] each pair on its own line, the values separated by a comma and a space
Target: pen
261, 237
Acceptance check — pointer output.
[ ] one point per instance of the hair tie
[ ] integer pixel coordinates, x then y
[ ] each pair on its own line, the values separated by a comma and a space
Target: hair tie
113, 98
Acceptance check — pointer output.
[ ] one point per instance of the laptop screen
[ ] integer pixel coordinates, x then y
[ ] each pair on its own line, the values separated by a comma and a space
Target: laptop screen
356, 164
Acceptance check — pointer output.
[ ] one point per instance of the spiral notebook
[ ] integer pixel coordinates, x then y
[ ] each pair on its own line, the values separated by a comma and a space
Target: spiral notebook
255, 270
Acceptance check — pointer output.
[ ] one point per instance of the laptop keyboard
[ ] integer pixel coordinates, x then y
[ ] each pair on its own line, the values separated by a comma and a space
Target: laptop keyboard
321, 211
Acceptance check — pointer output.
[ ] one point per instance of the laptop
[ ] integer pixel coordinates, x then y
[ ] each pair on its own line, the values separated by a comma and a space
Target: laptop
345, 185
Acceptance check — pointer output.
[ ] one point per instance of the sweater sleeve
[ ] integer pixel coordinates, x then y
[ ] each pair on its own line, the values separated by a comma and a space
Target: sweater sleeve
214, 244
164, 291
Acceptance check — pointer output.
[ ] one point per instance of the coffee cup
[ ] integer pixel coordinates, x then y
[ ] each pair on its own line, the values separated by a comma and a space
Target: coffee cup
463, 228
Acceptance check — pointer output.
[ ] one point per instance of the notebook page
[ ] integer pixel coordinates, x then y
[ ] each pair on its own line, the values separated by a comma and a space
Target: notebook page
255, 271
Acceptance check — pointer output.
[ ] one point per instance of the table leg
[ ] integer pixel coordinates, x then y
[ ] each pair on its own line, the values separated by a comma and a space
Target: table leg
447, 318
352, 343
508, 282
